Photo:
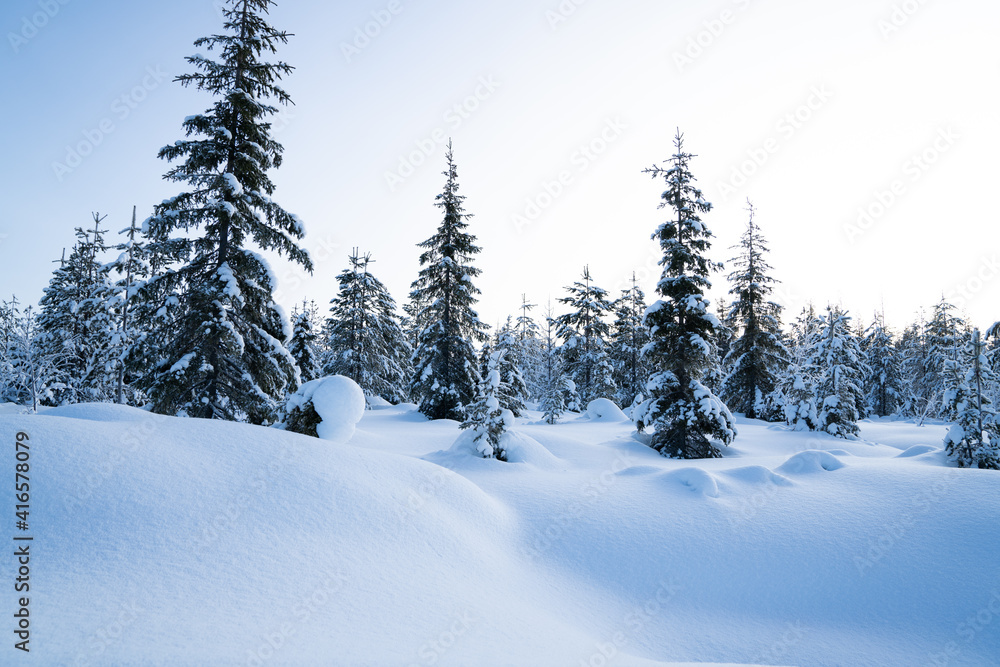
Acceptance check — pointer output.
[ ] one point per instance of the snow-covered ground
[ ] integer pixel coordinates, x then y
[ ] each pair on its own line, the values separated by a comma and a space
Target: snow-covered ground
188, 542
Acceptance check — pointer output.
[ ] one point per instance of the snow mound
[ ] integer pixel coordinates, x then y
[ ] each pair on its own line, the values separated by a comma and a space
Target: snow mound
696, 479
97, 412
338, 402
811, 460
917, 450
758, 476
520, 448
604, 410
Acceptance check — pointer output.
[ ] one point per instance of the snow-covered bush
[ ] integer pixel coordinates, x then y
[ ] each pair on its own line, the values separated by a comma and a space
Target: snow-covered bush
327, 407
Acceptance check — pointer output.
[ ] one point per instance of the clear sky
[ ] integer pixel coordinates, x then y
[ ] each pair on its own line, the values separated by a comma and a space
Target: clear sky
815, 111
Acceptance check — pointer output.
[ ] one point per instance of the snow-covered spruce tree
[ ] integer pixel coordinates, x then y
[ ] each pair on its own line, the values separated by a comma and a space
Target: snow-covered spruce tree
74, 324
835, 361
131, 269
302, 344
531, 353
884, 382
31, 366
445, 372
758, 353
513, 390
364, 337
488, 419
220, 343
628, 337
553, 403
687, 419
9, 313
585, 333
974, 439
944, 335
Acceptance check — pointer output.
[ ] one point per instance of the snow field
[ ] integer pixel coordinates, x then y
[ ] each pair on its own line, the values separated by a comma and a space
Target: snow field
182, 541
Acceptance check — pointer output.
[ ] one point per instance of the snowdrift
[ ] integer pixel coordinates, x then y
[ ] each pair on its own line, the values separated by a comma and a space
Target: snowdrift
190, 542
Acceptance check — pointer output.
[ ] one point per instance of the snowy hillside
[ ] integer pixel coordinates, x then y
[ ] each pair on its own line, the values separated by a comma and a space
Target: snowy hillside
161, 540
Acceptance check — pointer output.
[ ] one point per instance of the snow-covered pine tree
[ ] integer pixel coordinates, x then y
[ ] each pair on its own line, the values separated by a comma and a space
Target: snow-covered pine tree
9, 314
532, 350
32, 367
364, 337
584, 333
835, 359
132, 268
797, 384
944, 336
553, 403
687, 419
488, 419
884, 382
302, 344
221, 342
758, 354
513, 390
628, 337
445, 373
974, 438
74, 324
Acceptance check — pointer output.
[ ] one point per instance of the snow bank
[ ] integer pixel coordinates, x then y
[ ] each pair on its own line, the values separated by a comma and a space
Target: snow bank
165, 541
811, 460
695, 479
604, 410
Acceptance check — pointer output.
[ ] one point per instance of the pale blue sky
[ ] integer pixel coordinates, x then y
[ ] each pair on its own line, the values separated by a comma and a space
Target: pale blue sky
532, 91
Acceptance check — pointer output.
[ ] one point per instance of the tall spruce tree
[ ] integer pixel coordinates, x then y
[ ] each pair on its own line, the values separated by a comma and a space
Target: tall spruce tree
687, 419
445, 373
221, 341
758, 354
585, 334
364, 338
